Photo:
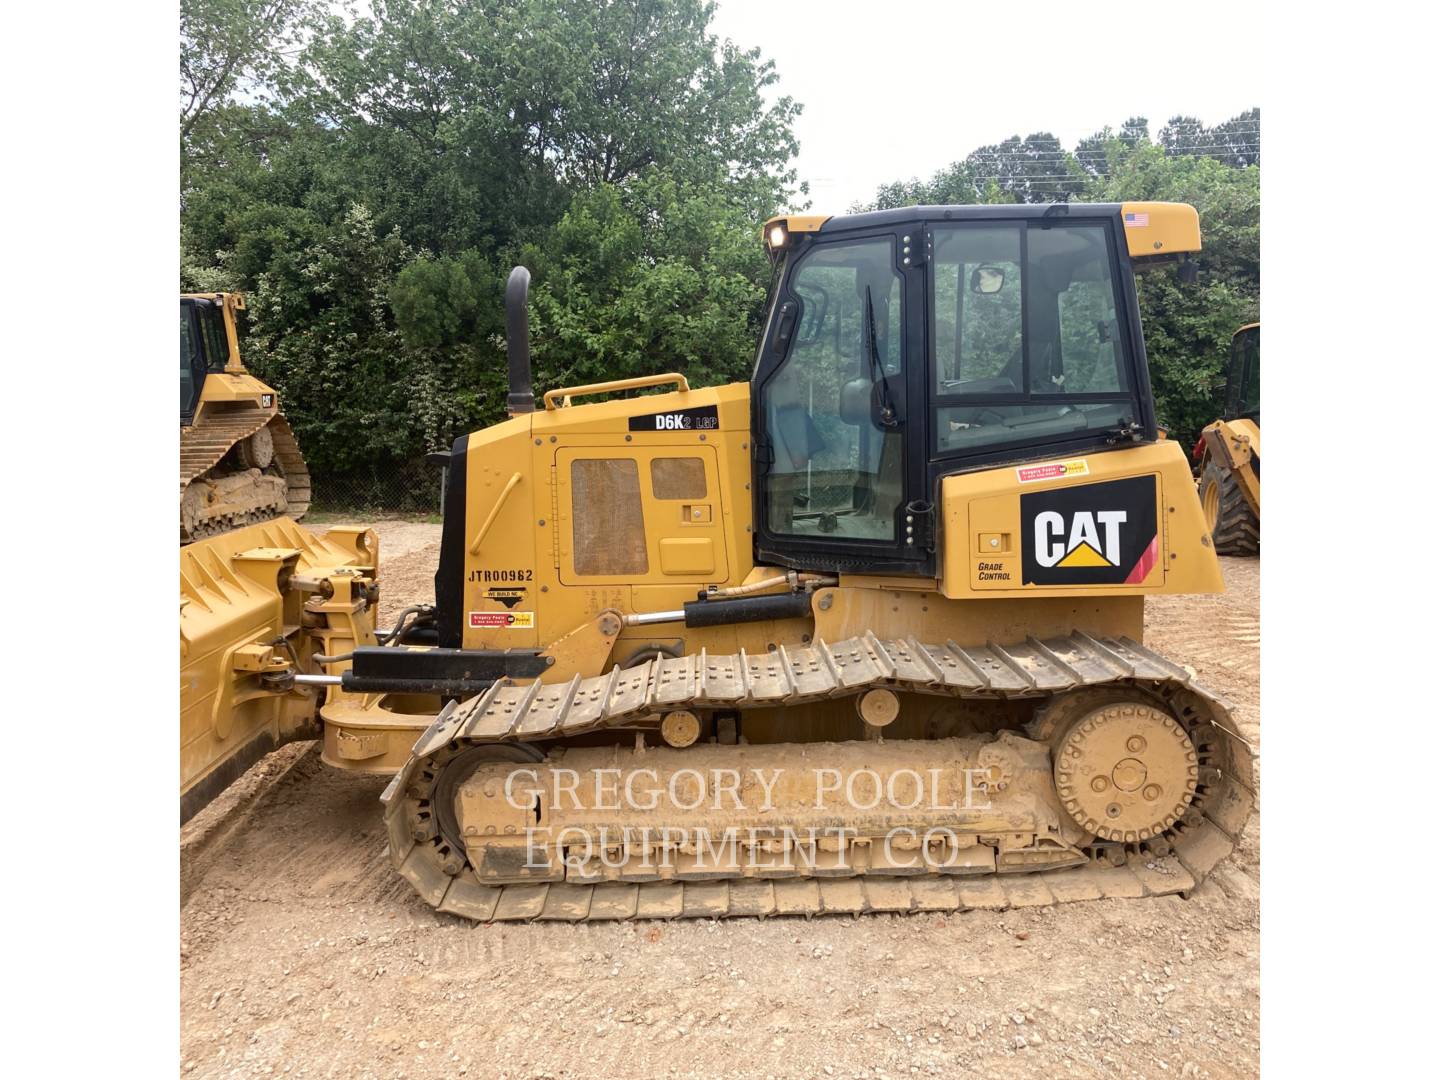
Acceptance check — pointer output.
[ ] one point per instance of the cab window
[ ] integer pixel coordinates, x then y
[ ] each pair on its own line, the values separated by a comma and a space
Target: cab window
836, 469
977, 310
189, 361
1027, 338
1071, 322
217, 346
1243, 390
1250, 398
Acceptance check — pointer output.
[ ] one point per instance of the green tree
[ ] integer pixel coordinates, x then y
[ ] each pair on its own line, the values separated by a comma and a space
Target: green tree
1036, 168
650, 276
232, 45
1097, 153
619, 149
1187, 327
1235, 142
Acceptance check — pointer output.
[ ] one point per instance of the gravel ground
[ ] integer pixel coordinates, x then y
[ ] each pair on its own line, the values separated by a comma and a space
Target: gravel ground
303, 954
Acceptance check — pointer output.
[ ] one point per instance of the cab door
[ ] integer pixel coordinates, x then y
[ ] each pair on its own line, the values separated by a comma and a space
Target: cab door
839, 457
192, 362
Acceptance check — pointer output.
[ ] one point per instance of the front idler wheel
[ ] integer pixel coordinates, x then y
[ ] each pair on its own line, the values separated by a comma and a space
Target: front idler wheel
455, 772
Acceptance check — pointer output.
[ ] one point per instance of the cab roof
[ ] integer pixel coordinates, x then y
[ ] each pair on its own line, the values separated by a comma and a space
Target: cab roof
1151, 228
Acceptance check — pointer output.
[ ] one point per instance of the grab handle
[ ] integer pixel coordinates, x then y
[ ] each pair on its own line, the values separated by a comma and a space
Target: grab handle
561, 396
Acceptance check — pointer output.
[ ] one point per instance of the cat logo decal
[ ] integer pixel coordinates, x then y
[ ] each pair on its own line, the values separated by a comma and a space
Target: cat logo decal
1090, 534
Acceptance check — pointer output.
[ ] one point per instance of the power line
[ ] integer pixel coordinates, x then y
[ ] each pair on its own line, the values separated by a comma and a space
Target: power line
1082, 158
1050, 155
1205, 133
1019, 174
1055, 164
1019, 148
1033, 180
1245, 125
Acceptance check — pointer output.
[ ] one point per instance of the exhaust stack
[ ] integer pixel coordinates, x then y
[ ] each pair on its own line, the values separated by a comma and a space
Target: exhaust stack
517, 341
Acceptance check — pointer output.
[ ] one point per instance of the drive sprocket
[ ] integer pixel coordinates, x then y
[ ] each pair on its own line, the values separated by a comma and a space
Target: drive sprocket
1126, 772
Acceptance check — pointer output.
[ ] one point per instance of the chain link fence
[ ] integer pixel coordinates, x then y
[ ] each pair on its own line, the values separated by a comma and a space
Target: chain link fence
406, 488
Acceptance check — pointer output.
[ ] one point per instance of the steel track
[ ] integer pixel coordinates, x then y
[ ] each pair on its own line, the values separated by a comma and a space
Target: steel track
1041, 671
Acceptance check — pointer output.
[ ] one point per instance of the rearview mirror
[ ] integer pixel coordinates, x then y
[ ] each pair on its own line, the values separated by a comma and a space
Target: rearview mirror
987, 280
855, 398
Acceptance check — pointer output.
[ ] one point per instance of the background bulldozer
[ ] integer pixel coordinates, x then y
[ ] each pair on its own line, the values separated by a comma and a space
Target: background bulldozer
1228, 453
862, 634
239, 461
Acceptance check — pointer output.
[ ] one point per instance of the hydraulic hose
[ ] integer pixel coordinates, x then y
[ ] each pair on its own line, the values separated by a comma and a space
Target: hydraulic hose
795, 580
387, 637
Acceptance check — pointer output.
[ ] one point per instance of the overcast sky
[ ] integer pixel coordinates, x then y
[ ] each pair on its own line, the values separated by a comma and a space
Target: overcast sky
895, 89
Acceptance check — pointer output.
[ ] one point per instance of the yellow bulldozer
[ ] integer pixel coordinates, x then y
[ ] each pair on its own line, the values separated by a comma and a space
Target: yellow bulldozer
1227, 455
863, 634
239, 461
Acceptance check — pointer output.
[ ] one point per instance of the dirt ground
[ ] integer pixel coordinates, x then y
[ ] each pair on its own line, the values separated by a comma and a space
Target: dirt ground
303, 954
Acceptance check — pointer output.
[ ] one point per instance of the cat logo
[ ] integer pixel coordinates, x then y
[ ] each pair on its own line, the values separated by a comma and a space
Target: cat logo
267, 400
1083, 547
1090, 534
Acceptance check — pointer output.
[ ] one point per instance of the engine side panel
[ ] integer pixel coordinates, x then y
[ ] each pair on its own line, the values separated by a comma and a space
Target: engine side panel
633, 505
1121, 523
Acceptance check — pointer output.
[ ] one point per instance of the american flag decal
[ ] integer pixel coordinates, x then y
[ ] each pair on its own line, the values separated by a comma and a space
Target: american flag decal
1135, 221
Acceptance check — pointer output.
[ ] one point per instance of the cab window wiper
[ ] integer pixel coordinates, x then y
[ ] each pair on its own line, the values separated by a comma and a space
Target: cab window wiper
877, 370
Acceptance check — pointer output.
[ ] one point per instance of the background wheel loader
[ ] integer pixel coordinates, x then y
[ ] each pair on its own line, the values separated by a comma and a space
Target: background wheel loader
239, 461
862, 634
1228, 453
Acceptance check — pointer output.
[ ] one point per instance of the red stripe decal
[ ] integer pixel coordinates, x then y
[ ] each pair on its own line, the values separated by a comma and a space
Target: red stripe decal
1146, 563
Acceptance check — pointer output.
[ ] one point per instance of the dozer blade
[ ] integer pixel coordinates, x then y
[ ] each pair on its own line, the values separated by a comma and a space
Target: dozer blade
243, 621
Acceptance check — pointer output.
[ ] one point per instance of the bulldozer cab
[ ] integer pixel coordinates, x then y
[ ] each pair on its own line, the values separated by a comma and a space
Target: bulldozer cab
905, 345
1242, 376
204, 347
208, 343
